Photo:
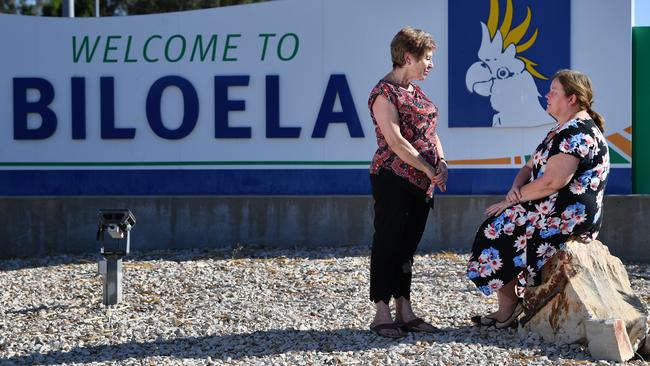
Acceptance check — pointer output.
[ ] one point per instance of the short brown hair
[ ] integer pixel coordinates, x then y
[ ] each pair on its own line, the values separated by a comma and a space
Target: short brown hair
414, 41
579, 84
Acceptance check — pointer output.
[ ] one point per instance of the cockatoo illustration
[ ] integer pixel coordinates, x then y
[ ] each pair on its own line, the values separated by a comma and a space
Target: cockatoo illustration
505, 76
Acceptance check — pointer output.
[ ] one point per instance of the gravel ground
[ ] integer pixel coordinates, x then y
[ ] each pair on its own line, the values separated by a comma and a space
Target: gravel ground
253, 306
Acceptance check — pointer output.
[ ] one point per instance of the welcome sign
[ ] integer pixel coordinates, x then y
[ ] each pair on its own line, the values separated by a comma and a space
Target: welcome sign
118, 48
267, 98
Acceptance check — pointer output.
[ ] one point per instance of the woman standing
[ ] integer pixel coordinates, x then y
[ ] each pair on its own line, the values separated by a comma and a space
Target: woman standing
556, 196
408, 163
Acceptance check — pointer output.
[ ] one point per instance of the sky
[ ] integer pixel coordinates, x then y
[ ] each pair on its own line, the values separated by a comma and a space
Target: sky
641, 13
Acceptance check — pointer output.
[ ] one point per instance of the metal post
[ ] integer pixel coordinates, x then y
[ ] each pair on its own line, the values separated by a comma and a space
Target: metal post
96, 8
113, 280
101, 266
112, 271
117, 223
68, 8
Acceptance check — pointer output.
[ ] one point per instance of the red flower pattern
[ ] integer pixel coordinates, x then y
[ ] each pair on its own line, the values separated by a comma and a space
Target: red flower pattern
418, 118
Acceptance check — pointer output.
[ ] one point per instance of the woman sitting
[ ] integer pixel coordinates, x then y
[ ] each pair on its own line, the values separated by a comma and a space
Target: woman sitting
557, 195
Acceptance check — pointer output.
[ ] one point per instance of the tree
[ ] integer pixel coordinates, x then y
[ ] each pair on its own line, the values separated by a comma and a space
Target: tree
18, 7
86, 8
164, 6
7, 6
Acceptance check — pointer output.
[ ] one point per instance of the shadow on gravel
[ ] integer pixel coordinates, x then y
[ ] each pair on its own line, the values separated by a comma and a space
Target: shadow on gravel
275, 342
195, 254
36, 309
237, 251
61, 260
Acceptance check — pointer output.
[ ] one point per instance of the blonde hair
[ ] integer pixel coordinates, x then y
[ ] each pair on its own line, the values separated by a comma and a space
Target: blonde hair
579, 84
414, 41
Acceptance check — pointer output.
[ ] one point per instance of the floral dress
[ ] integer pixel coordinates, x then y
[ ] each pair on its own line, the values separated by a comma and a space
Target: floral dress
518, 242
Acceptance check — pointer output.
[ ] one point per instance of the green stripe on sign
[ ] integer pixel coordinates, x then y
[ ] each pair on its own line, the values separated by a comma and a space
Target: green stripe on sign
179, 163
616, 158
640, 109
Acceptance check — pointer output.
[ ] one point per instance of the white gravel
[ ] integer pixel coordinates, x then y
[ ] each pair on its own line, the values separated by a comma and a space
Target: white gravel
253, 306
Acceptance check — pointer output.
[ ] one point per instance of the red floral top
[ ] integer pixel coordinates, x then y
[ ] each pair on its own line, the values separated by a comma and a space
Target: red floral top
418, 118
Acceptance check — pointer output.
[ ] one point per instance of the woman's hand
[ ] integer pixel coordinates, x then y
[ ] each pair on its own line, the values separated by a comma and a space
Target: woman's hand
497, 208
514, 195
441, 175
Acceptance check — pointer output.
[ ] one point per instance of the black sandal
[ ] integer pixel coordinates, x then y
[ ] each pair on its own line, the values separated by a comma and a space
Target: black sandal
483, 321
512, 321
377, 329
414, 326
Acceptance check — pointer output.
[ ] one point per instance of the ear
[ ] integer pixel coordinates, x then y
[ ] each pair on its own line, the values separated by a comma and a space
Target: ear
407, 58
573, 99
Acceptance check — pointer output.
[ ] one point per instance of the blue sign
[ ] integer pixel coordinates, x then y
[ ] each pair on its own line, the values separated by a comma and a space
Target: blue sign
502, 54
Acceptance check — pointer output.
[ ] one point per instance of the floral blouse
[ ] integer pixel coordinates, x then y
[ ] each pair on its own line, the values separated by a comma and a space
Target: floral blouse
418, 118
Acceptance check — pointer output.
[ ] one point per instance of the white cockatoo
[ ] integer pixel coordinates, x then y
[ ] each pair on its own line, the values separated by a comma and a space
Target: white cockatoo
505, 78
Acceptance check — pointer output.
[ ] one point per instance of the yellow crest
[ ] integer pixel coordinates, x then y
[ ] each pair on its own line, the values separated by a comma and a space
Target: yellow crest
513, 35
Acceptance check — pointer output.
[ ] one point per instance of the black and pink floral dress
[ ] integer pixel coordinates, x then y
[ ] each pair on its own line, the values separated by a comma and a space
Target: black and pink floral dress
517, 243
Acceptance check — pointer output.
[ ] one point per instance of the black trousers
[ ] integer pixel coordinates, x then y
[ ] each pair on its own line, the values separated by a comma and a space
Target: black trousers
401, 213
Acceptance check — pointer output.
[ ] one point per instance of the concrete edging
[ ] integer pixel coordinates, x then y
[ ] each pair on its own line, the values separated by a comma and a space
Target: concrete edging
38, 226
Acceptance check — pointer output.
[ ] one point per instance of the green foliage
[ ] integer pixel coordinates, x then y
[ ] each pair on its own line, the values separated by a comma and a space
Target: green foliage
86, 8
163, 6
7, 6
18, 7
51, 8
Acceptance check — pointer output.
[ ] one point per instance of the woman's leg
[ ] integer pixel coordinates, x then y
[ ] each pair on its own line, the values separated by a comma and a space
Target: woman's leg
498, 257
382, 317
389, 222
508, 300
418, 214
416, 220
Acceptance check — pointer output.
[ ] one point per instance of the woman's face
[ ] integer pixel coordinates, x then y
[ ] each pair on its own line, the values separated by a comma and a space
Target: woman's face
420, 68
557, 102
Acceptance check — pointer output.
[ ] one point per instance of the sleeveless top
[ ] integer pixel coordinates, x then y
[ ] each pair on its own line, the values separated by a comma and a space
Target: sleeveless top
577, 207
418, 118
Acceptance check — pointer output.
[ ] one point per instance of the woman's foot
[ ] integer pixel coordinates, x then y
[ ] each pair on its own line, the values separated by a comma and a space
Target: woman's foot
502, 318
388, 330
510, 307
484, 321
418, 325
408, 320
511, 321
383, 324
